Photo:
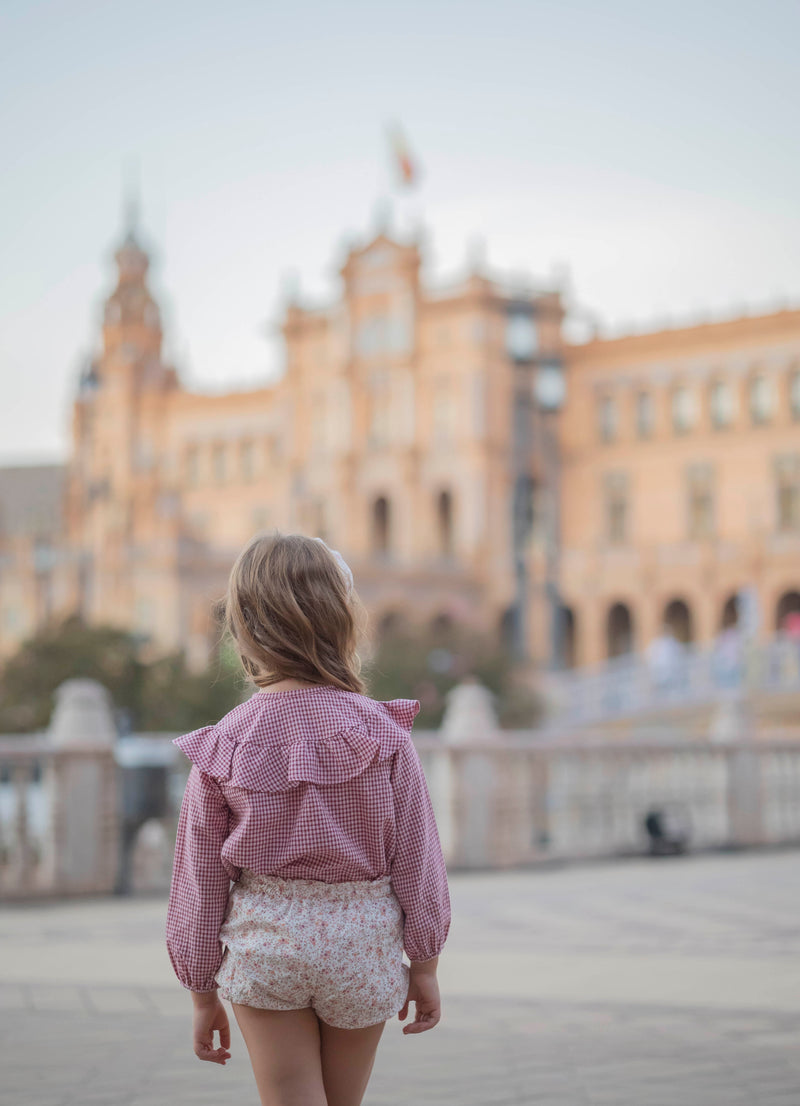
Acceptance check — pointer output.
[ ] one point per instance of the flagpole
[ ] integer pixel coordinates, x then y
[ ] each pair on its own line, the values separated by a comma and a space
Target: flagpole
405, 179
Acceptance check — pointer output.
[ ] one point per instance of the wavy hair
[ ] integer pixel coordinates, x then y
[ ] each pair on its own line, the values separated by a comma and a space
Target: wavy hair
292, 613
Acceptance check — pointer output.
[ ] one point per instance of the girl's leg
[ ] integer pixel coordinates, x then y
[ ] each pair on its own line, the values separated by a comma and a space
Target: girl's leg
347, 1059
284, 1048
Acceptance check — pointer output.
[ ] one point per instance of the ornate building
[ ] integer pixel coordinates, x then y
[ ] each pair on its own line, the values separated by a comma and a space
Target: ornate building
680, 484
401, 432
422, 432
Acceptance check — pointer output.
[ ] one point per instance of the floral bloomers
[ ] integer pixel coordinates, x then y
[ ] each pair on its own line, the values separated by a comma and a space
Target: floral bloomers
295, 943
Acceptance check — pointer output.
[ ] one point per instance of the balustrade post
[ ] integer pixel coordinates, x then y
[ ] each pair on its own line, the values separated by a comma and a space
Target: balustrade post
85, 822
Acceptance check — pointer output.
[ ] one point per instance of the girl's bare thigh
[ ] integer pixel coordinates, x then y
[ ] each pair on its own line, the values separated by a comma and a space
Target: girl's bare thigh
299, 1060
347, 1059
284, 1048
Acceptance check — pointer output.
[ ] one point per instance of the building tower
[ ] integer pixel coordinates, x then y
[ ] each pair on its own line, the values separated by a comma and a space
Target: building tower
114, 470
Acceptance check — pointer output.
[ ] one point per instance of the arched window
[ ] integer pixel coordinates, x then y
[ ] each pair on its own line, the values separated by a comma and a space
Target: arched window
730, 613
444, 517
441, 626
247, 460
762, 399
507, 629
678, 620
607, 418
568, 642
619, 631
684, 409
721, 404
794, 395
787, 610
218, 463
645, 415
381, 522
192, 461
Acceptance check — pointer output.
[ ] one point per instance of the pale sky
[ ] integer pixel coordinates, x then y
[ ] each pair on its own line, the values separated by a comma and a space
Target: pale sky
652, 149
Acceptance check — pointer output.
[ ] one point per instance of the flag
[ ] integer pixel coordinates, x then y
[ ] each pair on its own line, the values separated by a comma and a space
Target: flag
404, 164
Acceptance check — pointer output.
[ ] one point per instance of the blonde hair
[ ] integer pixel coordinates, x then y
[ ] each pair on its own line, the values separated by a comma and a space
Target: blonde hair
292, 613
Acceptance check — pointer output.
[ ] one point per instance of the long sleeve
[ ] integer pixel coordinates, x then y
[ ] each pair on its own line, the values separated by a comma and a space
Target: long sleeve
418, 872
199, 892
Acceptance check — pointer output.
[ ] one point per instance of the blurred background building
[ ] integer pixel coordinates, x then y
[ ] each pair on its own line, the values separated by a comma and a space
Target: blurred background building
402, 432
473, 466
680, 485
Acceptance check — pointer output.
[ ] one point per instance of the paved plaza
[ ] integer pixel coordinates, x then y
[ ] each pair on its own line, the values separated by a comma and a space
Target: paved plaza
652, 982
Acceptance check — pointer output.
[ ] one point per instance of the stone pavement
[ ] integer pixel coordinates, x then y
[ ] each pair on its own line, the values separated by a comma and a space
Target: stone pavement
646, 982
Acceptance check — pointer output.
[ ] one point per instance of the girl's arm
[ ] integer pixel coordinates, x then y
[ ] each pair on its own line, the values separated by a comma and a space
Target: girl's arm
418, 873
199, 892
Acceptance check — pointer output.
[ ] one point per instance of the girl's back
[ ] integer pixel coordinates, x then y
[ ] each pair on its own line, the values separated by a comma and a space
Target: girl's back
311, 798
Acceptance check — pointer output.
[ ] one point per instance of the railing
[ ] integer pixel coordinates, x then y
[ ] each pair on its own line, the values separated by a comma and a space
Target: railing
633, 685
507, 802
58, 819
503, 804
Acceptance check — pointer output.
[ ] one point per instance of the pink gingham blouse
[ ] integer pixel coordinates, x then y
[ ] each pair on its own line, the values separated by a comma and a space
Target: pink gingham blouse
311, 783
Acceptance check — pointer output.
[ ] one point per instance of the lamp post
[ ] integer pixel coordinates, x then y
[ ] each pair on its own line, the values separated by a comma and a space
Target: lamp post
537, 398
549, 393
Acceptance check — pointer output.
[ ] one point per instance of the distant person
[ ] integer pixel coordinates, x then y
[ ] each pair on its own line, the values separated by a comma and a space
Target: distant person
310, 796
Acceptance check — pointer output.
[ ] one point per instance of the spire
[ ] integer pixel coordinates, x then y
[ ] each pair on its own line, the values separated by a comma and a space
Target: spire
131, 198
132, 261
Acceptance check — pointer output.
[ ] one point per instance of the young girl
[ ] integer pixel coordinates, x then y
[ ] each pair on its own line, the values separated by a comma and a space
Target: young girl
310, 796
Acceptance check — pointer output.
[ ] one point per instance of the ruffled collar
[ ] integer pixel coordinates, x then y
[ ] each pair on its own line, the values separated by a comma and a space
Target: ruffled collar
321, 735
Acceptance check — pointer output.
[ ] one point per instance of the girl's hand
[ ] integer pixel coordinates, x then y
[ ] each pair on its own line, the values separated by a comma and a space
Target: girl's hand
210, 1015
423, 991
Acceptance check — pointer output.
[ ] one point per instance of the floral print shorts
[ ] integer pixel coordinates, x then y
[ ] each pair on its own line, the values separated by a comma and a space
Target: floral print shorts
336, 947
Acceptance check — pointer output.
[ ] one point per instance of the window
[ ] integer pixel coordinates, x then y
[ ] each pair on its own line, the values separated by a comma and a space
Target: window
684, 410
444, 512
787, 479
401, 327
381, 523
247, 461
607, 415
616, 504
721, 404
762, 399
700, 494
794, 395
372, 336
521, 337
218, 463
192, 465
645, 415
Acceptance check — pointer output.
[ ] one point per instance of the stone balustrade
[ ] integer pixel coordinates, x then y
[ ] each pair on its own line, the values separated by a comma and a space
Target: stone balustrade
59, 824
509, 803
58, 819
511, 799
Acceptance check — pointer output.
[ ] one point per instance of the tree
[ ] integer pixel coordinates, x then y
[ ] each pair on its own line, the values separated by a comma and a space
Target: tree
423, 664
159, 695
